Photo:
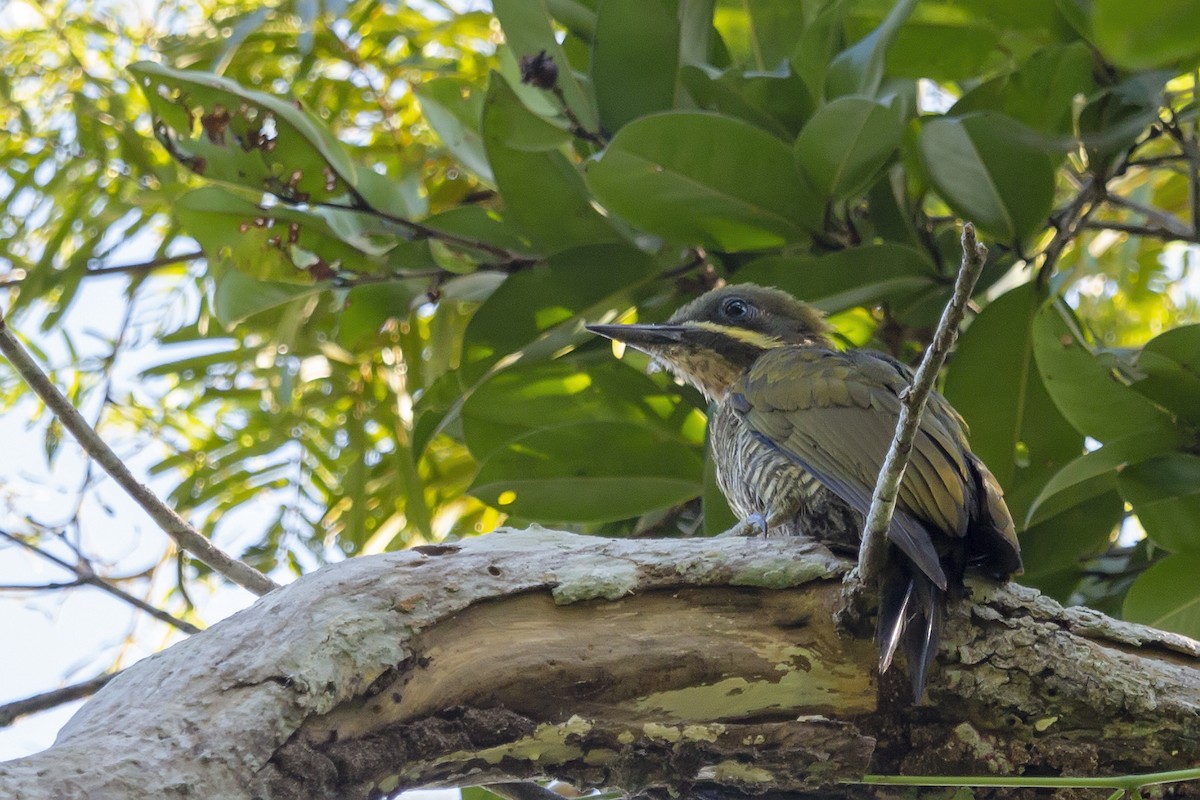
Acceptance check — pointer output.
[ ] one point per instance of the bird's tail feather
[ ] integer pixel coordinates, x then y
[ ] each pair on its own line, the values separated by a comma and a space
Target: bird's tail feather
910, 612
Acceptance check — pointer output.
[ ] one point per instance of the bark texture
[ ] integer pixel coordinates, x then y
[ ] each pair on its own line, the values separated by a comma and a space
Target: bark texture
663, 666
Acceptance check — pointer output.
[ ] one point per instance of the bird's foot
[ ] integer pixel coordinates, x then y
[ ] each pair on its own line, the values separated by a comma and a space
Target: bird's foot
753, 525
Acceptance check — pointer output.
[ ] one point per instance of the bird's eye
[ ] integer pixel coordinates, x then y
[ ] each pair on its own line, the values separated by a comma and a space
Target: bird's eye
735, 308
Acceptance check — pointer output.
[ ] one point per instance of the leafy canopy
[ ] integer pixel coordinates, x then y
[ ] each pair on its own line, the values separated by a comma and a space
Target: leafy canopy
406, 217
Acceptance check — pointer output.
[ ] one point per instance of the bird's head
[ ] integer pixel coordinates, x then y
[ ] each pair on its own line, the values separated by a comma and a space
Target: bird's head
715, 338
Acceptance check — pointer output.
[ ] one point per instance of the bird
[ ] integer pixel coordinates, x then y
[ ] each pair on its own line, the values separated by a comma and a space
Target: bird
798, 431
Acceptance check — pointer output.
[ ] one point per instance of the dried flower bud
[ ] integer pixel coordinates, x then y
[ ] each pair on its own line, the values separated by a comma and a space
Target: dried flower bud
539, 71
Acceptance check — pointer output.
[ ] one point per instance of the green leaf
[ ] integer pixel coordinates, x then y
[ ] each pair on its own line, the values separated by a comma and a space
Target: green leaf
276, 243
1095, 473
223, 131
453, 107
845, 145
1056, 550
514, 125
635, 58
990, 170
847, 278
577, 16
367, 307
543, 192
775, 27
538, 311
589, 472
1166, 596
1088, 393
816, 46
1016, 430
662, 175
1171, 364
545, 395
949, 47
1165, 494
1117, 116
527, 31
481, 225
859, 68
1040, 93
778, 102
1152, 33
238, 296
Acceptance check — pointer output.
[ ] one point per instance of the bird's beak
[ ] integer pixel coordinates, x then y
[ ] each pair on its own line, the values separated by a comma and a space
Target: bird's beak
642, 336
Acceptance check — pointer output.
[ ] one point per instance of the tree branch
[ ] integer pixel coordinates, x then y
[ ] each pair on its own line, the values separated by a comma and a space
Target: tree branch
1191, 151
139, 268
11, 712
1067, 225
508, 258
1152, 231
872, 554
1160, 218
187, 537
86, 576
669, 667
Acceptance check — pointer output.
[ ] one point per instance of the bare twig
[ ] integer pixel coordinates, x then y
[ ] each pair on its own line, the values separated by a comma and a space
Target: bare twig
1158, 217
87, 577
1156, 161
873, 551
1067, 225
1191, 150
362, 206
11, 712
39, 587
167, 519
140, 267
1152, 231
110, 363
577, 127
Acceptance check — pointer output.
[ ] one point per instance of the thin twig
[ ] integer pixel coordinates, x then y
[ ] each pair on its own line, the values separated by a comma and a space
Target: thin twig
361, 206
1152, 231
117, 269
1160, 218
577, 127
1155, 161
1192, 151
110, 363
11, 712
1067, 224
87, 577
187, 537
872, 553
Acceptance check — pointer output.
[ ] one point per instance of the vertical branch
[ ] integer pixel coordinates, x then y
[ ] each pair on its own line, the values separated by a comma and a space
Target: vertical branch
873, 551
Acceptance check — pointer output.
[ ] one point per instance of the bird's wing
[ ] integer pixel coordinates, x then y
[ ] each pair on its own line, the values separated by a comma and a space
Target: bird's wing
835, 414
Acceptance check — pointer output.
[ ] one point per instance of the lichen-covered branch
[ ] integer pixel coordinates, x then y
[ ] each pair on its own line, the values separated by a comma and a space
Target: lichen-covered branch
655, 666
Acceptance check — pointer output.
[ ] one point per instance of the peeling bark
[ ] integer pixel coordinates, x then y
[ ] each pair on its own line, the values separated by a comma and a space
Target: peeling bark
654, 666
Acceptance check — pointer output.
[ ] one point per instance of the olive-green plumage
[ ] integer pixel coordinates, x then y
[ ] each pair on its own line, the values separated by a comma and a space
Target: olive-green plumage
798, 433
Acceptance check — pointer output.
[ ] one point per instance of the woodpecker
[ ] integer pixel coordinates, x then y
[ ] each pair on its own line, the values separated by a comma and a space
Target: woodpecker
798, 431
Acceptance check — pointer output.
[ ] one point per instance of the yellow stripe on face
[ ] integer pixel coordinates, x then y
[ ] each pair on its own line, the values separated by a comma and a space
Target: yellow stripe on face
760, 340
